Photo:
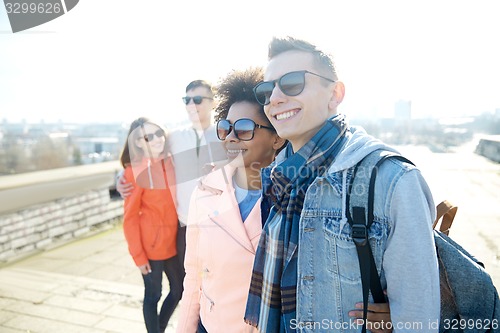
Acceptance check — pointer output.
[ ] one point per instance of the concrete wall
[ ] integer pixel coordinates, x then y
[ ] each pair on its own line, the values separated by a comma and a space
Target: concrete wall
489, 147
44, 209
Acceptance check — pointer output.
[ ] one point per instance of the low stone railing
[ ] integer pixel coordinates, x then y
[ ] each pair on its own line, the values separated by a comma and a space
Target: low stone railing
489, 147
43, 209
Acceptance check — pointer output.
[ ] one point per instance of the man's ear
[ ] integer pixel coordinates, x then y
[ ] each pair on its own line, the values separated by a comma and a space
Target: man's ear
338, 94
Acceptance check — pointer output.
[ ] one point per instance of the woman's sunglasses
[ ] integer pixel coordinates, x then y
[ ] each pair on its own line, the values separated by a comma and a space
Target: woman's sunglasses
291, 84
149, 137
196, 99
243, 129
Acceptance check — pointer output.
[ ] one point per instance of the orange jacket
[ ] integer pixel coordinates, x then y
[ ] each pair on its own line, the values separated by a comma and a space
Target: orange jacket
150, 217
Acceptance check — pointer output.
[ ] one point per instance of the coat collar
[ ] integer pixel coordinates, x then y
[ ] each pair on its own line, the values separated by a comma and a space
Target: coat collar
225, 213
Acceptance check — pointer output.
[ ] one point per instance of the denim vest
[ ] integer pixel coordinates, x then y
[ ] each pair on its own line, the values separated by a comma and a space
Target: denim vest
329, 280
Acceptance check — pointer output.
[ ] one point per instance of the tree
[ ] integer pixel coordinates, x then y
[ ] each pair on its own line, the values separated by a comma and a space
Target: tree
47, 155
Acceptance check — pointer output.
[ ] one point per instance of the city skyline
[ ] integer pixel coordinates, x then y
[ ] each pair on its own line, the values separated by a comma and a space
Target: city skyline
113, 61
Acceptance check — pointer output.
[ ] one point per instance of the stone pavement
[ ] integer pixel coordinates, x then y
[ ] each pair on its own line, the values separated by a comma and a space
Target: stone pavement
92, 286
88, 286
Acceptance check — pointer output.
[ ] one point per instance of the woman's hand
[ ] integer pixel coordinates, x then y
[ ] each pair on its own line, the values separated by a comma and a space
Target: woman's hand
378, 319
145, 269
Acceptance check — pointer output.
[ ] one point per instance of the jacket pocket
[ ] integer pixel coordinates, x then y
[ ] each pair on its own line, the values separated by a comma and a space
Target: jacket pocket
150, 236
343, 256
206, 306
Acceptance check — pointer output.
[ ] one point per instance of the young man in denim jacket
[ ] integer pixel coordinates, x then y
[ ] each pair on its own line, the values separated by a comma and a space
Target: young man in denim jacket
306, 274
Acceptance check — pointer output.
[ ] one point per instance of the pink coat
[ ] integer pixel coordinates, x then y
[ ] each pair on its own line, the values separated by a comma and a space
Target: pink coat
219, 258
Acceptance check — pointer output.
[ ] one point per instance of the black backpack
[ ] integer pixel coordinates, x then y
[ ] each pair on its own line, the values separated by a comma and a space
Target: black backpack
460, 274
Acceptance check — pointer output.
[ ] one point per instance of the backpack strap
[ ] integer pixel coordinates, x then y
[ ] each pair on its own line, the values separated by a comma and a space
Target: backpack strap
447, 212
363, 180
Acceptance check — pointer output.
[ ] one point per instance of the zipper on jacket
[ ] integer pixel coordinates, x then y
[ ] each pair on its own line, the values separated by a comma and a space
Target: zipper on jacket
212, 303
227, 232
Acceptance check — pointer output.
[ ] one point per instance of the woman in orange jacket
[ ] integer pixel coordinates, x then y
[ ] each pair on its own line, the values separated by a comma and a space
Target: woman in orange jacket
150, 219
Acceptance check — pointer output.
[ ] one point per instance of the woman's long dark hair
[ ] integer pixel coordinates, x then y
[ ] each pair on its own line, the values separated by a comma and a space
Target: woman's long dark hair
131, 149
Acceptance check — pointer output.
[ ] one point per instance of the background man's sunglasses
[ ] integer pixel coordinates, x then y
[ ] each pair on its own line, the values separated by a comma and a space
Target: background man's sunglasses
291, 84
196, 99
243, 129
149, 137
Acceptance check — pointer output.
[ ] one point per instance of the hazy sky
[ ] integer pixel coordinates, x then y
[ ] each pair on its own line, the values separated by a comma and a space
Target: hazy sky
116, 60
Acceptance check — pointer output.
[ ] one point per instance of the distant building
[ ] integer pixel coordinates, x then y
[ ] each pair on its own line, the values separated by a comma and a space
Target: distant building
402, 110
402, 122
98, 149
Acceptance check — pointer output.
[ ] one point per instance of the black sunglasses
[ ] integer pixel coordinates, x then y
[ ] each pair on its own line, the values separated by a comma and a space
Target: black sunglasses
243, 129
196, 99
149, 137
291, 84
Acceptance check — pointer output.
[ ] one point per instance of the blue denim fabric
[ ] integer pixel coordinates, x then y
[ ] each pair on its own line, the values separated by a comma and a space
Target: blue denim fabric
467, 290
329, 281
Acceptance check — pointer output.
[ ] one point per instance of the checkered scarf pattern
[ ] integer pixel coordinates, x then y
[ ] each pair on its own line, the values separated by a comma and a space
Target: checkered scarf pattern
272, 297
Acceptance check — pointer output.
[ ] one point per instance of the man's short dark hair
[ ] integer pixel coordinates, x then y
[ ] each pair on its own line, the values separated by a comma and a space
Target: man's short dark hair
322, 61
200, 83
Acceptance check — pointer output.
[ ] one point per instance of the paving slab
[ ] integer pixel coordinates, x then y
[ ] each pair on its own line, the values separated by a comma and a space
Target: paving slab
84, 286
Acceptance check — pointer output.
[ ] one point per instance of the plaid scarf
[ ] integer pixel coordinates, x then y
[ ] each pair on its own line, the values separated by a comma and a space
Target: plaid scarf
271, 303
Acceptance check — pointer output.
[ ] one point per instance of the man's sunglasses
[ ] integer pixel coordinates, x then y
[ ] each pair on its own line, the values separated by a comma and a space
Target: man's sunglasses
243, 129
196, 99
291, 84
149, 137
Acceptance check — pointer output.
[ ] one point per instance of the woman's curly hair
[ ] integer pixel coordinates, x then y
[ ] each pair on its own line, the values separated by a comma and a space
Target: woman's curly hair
237, 86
